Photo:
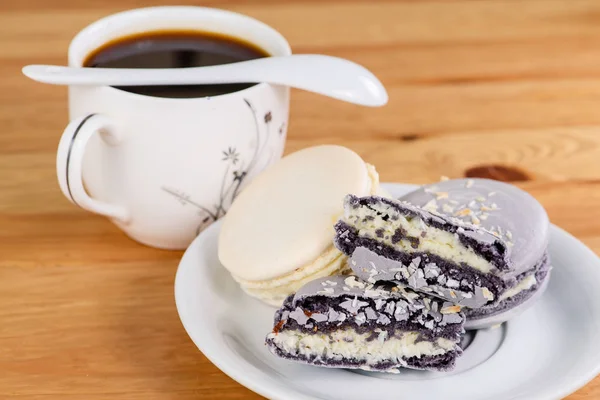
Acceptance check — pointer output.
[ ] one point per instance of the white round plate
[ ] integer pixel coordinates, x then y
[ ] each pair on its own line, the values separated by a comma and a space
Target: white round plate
548, 352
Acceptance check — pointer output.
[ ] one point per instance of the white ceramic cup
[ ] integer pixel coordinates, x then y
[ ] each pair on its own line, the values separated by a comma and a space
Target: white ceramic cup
163, 169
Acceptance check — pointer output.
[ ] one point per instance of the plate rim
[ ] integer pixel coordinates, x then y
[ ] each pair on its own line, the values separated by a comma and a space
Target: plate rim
271, 392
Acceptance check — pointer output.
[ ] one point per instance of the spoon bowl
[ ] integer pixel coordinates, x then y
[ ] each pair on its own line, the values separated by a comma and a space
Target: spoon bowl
326, 75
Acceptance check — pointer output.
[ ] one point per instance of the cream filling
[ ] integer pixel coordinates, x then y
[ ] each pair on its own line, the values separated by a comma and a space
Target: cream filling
436, 241
274, 291
347, 344
527, 283
374, 187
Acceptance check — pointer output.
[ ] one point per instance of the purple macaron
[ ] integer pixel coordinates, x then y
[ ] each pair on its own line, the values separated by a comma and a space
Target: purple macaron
343, 322
479, 243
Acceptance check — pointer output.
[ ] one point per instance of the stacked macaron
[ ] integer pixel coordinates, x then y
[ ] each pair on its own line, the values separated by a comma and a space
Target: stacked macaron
278, 233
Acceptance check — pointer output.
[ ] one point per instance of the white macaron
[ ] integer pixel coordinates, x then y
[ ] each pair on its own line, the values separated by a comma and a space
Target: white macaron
278, 233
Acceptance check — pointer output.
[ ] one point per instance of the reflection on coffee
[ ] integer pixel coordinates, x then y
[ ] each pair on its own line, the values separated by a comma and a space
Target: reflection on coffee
175, 49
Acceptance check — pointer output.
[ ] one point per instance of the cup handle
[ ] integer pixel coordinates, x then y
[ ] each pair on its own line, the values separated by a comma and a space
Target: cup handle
69, 158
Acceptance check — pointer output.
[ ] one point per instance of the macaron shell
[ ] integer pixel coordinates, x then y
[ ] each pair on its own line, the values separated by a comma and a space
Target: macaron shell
284, 218
516, 216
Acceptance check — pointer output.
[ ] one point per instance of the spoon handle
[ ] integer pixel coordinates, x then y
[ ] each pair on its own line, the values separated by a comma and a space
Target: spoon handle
58, 75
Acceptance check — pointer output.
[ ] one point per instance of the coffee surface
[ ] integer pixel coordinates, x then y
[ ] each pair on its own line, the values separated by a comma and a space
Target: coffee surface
175, 49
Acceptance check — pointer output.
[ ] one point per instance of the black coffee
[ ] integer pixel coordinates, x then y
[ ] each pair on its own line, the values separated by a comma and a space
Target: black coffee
175, 49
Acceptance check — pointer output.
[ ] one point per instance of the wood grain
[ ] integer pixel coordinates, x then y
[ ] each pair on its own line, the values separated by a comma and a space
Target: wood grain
86, 313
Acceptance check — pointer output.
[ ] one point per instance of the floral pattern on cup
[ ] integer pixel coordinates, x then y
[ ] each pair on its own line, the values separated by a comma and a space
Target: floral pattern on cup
235, 175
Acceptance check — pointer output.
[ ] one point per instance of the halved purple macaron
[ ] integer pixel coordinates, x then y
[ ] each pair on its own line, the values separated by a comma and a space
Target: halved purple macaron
479, 243
395, 241
343, 322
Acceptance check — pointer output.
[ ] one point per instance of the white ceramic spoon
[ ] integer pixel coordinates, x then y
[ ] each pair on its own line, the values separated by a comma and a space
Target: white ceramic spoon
330, 76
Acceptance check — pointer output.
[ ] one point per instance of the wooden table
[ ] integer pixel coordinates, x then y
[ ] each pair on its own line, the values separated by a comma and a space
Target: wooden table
507, 89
